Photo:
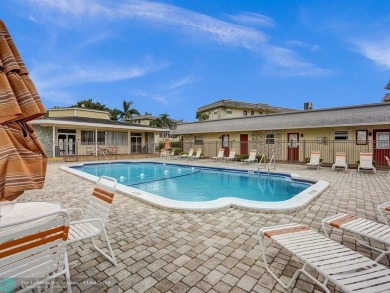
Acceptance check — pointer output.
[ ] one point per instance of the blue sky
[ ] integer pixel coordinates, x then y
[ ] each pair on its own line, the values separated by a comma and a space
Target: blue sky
175, 56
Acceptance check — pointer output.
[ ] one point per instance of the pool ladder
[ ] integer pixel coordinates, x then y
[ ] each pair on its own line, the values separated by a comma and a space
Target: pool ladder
269, 166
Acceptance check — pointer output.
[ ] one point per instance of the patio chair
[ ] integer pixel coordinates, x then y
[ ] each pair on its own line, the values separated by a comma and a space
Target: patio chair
251, 158
362, 229
95, 216
219, 155
232, 156
384, 211
33, 252
197, 156
314, 159
341, 161
388, 163
189, 155
347, 269
365, 162
163, 153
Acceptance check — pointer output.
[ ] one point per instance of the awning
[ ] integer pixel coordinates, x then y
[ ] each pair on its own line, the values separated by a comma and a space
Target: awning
23, 160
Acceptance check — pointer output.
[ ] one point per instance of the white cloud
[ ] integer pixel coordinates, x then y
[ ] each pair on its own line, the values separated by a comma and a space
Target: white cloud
57, 75
185, 21
253, 19
181, 82
377, 51
300, 44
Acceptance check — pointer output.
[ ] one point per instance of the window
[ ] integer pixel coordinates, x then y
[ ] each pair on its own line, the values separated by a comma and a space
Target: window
341, 135
215, 112
229, 111
101, 137
198, 139
87, 137
245, 113
361, 136
252, 113
116, 138
270, 138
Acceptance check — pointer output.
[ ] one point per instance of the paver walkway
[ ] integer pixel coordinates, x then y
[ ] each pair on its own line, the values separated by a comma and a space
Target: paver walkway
164, 251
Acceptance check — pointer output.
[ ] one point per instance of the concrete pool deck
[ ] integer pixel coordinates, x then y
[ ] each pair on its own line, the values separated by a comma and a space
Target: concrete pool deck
165, 251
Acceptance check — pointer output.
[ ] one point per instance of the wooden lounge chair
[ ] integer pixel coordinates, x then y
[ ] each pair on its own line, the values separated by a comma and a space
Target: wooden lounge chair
384, 211
33, 252
341, 161
232, 156
95, 216
365, 162
251, 158
314, 159
347, 269
363, 229
219, 155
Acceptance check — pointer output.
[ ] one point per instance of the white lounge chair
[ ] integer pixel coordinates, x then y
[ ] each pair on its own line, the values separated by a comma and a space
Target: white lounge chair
388, 163
189, 155
363, 229
163, 153
198, 154
366, 162
347, 269
384, 211
95, 216
341, 161
251, 158
219, 155
314, 159
33, 255
232, 156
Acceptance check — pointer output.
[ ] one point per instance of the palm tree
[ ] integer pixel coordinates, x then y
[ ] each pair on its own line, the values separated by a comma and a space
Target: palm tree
128, 112
114, 113
165, 121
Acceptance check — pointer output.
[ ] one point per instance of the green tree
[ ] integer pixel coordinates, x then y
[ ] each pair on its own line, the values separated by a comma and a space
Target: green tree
114, 114
128, 112
202, 116
163, 121
90, 104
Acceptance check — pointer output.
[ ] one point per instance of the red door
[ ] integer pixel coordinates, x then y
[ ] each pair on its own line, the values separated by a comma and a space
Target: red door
243, 144
381, 145
225, 144
293, 147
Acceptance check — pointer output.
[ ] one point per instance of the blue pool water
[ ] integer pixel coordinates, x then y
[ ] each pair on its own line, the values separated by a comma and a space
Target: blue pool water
187, 183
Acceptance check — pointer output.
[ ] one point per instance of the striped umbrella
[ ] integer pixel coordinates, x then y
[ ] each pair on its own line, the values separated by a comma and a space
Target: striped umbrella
23, 160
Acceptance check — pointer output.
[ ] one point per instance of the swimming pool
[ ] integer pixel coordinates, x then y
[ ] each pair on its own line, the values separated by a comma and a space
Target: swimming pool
200, 187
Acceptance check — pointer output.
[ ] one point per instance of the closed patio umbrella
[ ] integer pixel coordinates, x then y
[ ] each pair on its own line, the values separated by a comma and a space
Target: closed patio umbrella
23, 160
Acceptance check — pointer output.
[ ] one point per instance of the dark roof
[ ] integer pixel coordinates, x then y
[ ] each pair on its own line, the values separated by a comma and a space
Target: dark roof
370, 114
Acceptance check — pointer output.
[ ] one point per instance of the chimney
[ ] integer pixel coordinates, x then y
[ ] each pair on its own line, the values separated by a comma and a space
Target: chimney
308, 106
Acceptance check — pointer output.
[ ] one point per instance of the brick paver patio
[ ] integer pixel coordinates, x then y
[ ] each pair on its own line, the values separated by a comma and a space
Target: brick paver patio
164, 251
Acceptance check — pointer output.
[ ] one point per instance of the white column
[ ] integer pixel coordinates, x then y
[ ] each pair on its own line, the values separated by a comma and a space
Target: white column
96, 146
54, 141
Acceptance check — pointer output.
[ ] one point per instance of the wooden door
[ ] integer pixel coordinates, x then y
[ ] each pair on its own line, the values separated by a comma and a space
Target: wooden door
243, 144
225, 144
381, 146
293, 147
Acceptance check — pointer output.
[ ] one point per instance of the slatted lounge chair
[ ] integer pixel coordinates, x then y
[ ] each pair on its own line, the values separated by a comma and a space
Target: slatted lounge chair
347, 269
163, 153
314, 159
198, 155
33, 255
251, 158
341, 161
219, 155
95, 216
363, 229
384, 211
388, 163
232, 156
189, 155
366, 162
